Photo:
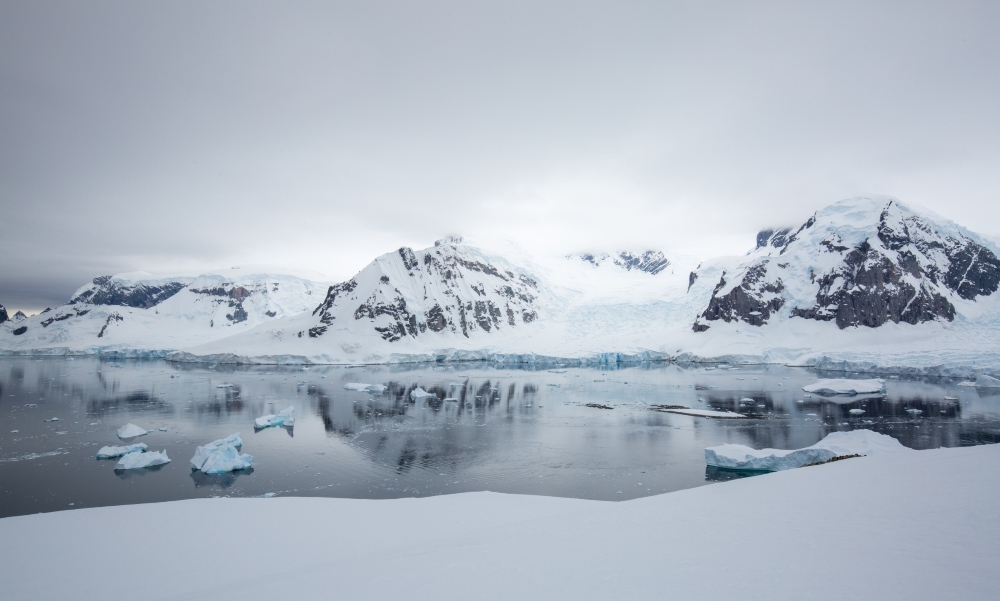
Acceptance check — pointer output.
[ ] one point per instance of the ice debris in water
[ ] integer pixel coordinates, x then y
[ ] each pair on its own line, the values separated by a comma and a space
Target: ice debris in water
134, 461
362, 387
284, 418
845, 386
221, 456
420, 393
836, 444
856, 411
54, 419
130, 431
113, 452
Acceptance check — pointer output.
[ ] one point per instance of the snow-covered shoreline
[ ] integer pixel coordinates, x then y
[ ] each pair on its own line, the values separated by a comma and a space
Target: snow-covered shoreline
918, 525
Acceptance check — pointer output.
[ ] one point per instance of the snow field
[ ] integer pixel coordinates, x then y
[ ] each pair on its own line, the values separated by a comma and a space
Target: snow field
917, 525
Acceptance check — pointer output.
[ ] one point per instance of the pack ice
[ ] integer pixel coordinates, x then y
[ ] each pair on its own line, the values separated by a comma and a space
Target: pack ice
131, 431
111, 452
221, 456
845, 386
283, 418
836, 444
134, 461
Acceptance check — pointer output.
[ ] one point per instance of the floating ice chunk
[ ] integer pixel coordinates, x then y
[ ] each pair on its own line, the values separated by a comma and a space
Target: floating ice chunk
134, 461
914, 411
420, 393
201, 453
130, 431
226, 459
52, 419
113, 452
358, 386
837, 444
283, 418
856, 411
224, 386
376, 388
984, 381
844, 386
967, 383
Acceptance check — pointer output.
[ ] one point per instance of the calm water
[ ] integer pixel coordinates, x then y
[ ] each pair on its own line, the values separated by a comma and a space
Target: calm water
513, 431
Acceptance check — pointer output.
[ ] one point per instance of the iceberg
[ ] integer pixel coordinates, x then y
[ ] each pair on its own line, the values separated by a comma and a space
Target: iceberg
984, 381
134, 461
420, 393
844, 386
131, 431
221, 456
837, 444
284, 418
113, 452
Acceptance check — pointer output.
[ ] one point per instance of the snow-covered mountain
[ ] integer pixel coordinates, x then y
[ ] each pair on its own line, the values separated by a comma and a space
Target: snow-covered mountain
859, 262
864, 283
650, 261
136, 313
3, 314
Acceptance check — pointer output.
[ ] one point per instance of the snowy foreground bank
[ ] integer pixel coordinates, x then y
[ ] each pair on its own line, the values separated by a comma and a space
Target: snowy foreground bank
918, 525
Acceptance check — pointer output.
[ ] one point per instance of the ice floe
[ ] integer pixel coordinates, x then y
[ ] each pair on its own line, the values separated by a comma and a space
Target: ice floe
283, 418
134, 461
131, 431
984, 381
221, 456
845, 386
836, 444
704, 413
111, 452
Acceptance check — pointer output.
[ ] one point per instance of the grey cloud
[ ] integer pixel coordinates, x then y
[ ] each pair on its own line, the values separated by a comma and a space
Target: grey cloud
194, 135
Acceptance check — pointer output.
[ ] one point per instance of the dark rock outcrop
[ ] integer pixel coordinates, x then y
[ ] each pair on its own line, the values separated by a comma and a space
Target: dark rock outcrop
104, 291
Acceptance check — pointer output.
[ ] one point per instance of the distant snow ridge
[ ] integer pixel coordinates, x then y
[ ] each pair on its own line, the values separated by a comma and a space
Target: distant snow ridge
650, 261
858, 262
446, 288
131, 312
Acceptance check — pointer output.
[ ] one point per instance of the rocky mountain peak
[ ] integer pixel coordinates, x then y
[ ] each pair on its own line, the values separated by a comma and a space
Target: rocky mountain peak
447, 288
859, 262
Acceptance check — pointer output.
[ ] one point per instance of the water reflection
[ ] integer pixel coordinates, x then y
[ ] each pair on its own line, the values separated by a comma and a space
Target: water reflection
588, 433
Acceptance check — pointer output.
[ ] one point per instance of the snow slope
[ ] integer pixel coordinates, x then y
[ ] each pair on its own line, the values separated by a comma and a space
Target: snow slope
908, 526
138, 314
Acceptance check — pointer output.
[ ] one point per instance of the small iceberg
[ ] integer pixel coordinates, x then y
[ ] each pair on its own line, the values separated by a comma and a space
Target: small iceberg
837, 444
856, 411
284, 418
131, 431
848, 387
984, 381
135, 461
420, 393
114, 452
221, 456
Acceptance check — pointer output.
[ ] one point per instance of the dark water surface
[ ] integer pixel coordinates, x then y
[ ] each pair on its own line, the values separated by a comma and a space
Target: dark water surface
510, 430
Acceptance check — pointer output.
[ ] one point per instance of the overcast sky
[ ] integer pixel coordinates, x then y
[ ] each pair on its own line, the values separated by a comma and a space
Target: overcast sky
184, 136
